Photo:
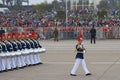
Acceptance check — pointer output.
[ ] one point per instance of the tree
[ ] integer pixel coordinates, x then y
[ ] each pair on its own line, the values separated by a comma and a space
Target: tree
55, 3
61, 15
103, 4
41, 8
102, 14
109, 4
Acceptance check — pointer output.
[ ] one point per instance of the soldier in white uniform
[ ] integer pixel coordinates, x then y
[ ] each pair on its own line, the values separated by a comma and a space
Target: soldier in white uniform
6, 54
9, 56
24, 50
0, 57
29, 50
37, 48
80, 59
16, 51
20, 48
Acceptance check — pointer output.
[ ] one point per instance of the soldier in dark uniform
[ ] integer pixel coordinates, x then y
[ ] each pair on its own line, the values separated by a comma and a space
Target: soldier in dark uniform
93, 34
56, 33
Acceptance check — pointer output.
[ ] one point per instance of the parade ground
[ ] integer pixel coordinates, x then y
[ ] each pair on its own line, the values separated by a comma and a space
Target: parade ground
102, 59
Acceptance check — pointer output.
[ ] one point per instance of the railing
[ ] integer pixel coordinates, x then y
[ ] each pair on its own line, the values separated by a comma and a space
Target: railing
70, 32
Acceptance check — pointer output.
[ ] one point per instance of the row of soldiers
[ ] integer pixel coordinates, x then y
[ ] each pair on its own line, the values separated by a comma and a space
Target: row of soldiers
18, 50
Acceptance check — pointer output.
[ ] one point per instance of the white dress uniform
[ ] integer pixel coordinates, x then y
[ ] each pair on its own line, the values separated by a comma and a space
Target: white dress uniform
35, 55
37, 52
18, 62
9, 55
31, 55
0, 57
4, 58
28, 52
24, 53
20, 56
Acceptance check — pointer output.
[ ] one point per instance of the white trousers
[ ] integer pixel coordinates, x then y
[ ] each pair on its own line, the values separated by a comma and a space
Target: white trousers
8, 62
27, 59
3, 63
22, 60
0, 64
37, 58
76, 65
31, 58
13, 62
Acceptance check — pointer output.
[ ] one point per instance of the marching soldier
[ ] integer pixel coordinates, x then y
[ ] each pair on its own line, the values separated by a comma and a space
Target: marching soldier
29, 50
5, 62
80, 58
37, 47
32, 58
0, 57
18, 36
16, 52
25, 52
10, 58
10, 50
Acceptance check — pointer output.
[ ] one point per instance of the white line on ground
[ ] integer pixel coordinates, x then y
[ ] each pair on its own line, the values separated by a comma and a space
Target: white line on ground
101, 63
105, 63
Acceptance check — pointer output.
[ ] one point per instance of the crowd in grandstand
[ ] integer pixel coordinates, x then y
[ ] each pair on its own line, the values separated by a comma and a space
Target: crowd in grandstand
28, 18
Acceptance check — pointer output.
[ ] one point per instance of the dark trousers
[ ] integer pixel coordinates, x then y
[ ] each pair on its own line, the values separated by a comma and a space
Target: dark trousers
93, 39
56, 38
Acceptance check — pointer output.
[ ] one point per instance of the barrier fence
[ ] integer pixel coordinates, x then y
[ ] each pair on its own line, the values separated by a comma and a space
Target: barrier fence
70, 32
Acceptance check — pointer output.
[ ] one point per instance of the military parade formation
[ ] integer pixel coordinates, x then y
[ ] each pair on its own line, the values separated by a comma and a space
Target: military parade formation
19, 50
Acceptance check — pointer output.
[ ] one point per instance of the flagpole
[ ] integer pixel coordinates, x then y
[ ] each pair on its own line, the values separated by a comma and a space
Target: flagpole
66, 13
76, 4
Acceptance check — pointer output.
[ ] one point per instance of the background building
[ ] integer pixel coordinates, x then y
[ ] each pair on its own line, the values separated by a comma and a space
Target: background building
81, 4
14, 2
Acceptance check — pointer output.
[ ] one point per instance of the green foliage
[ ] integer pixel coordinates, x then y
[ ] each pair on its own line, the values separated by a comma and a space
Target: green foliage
114, 4
61, 15
41, 8
103, 4
102, 14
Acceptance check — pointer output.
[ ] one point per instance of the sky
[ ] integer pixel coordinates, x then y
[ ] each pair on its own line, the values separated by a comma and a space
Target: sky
35, 1
39, 1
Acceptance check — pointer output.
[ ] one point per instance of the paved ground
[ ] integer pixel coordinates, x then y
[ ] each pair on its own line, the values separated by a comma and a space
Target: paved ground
103, 61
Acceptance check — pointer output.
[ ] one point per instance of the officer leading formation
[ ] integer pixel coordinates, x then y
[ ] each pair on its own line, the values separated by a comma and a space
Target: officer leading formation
80, 58
18, 50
